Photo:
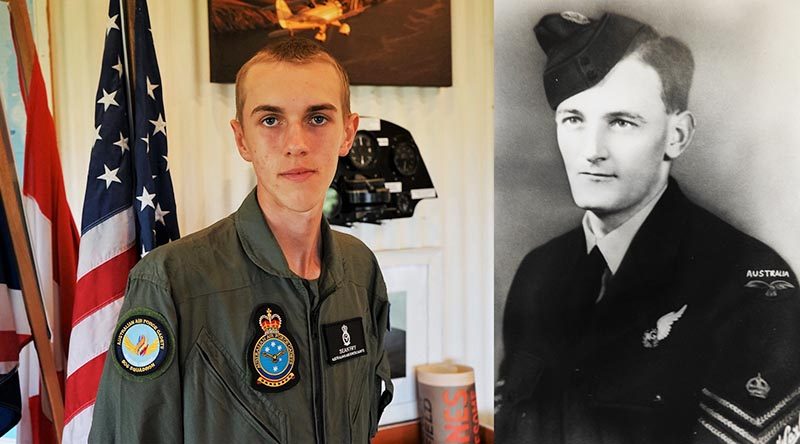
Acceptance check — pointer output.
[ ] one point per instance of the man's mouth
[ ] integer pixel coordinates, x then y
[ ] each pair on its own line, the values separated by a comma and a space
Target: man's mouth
298, 174
597, 177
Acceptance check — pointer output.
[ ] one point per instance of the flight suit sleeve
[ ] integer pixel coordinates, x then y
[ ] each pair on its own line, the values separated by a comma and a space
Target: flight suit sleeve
139, 398
752, 392
384, 389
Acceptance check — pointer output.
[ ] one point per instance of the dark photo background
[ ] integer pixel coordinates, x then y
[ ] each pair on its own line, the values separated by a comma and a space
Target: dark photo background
391, 42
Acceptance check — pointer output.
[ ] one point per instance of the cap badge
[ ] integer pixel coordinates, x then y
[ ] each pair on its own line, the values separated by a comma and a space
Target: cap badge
575, 17
757, 387
653, 336
772, 287
272, 357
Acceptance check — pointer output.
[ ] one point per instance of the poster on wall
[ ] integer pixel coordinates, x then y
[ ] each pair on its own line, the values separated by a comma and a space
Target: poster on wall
379, 42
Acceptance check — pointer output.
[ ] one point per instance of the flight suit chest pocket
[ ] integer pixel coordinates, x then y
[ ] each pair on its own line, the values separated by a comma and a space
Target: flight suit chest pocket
218, 404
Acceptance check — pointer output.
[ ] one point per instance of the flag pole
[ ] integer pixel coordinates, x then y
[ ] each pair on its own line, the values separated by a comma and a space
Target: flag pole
23, 41
9, 191
127, 16
12, 202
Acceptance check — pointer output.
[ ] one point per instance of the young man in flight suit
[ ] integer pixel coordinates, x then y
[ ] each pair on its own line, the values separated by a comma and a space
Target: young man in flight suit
654, 321
267, 326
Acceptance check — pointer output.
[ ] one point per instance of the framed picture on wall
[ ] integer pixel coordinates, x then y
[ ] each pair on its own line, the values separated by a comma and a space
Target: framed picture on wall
414, 285
379, 42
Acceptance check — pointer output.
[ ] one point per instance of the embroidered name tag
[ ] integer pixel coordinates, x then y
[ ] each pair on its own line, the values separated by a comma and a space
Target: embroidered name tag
345, 340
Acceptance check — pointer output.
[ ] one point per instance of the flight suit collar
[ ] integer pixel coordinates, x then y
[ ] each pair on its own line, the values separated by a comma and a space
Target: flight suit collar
262, 248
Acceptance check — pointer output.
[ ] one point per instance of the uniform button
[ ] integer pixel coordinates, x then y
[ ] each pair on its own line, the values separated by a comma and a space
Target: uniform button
657, 399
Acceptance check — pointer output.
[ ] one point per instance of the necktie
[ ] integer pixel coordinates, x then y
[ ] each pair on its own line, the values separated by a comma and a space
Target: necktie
593, 277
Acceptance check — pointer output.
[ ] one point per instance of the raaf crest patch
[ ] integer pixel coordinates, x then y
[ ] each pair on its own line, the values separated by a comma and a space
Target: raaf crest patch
271, 354
143, 344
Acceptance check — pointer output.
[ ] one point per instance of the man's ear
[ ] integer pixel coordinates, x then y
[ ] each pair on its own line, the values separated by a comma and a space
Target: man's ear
681, 132
350, 128
238, 136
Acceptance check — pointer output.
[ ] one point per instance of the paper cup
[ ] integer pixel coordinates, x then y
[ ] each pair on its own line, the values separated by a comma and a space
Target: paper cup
447, 405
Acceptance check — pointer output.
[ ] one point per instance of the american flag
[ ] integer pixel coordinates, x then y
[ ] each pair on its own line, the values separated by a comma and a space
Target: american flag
129, 207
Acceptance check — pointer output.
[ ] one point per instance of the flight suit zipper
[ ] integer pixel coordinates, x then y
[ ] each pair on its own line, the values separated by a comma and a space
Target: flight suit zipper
315, 350
319, 411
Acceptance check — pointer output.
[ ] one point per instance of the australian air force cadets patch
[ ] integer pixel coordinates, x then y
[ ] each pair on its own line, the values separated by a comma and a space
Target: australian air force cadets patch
272, 357
143, 344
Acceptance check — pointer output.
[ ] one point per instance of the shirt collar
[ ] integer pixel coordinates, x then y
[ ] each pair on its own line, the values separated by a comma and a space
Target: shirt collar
615, 244
262, 248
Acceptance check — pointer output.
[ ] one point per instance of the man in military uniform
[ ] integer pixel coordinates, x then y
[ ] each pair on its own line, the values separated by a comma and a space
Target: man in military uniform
654, 321
267, 326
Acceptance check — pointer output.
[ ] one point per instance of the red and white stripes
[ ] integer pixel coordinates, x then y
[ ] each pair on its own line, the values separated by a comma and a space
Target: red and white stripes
107, 253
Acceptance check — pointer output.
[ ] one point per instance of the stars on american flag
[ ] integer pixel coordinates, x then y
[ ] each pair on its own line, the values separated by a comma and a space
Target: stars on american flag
160, 126
146, 140
109, 176
112, 23
146, 199
160, 214
118, 67
108, 100
150, 88
129, 166
122, 143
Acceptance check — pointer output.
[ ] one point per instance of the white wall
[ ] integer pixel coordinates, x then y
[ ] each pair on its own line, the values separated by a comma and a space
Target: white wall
452, 126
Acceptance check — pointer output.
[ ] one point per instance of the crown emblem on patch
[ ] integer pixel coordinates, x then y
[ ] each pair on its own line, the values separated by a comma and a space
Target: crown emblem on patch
757, 387
272, 356
270, 322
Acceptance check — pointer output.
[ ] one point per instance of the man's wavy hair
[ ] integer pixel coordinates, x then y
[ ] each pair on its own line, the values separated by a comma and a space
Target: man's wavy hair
673, 62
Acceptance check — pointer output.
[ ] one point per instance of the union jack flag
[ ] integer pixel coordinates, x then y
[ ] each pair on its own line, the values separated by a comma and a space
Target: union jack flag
129, 207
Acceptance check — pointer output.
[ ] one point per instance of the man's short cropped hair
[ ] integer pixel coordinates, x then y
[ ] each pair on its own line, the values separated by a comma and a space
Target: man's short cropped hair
673, 62
292, 50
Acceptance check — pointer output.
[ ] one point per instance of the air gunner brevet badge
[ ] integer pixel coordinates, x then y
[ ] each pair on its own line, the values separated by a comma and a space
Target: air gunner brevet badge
273, 356
771, 287
652, 337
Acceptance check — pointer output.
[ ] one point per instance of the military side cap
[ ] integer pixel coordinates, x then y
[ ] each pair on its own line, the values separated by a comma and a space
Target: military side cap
581, 51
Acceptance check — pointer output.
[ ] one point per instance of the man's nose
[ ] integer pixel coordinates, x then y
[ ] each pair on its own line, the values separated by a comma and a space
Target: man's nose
594, 144
296, 143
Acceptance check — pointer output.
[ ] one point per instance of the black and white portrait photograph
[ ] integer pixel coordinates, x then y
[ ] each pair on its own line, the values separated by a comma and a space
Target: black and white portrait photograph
646, 205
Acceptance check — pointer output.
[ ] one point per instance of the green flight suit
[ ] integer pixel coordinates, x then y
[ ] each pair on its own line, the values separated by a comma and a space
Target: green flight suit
201, 293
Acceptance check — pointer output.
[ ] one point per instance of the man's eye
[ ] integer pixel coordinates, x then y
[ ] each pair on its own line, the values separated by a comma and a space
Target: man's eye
269, 121
620, 123
318, 119
571, 120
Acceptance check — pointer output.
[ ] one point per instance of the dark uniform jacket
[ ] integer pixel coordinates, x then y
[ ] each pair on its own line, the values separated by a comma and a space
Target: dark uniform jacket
725, 369
204, 298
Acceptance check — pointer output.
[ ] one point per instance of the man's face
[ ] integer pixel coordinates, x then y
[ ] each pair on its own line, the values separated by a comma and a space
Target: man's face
293, 131
613, 138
